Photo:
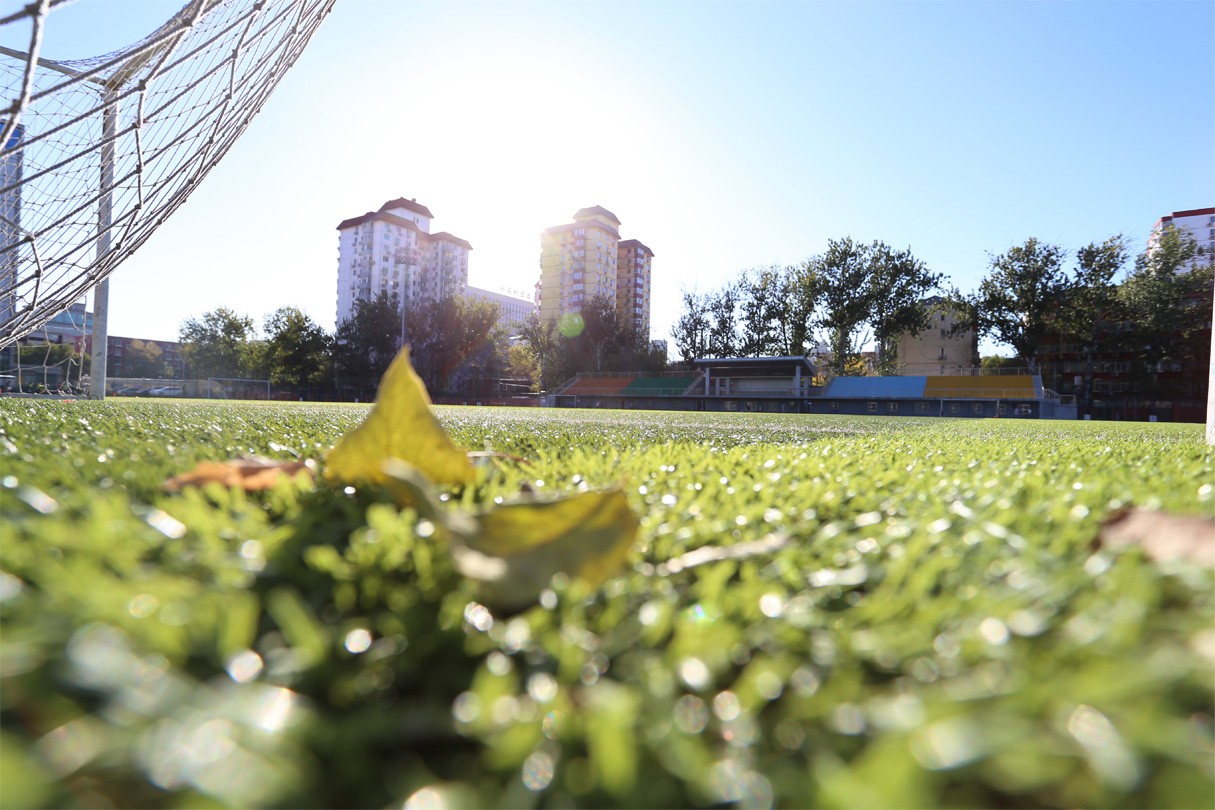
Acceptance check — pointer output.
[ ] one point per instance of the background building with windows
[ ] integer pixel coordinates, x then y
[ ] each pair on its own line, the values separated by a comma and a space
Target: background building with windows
393, 251
582, 259
633, 262
513, 311
578, 261
934, 350
1198, 222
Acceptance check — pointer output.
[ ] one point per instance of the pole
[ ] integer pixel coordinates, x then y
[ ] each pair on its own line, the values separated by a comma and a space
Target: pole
105, 214
1211, 388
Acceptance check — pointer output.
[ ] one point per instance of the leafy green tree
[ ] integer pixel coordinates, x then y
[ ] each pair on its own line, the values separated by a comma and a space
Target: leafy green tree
366, 342
45, 356
218, 344
691, 331
540, 335
523, 364
597, 346
842, 274
143, 359
995, 361
1167, 299
297, 350
455, 344
800, 294
1016, 302
897, 284
761, 307
722, 307
1092, 306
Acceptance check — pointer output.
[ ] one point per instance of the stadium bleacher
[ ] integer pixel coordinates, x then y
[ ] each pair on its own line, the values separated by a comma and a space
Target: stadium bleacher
876, 387
598, 386
998, 387
658, 386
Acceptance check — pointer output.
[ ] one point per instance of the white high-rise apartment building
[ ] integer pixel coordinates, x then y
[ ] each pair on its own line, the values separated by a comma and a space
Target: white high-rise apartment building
1199, 222
393, 251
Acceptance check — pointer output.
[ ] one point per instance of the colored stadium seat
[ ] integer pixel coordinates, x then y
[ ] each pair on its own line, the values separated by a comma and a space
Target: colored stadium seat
996, 387
658, 386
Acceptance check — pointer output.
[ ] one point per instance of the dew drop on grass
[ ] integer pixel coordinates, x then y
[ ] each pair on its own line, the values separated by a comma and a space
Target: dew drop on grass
691, 714
726, 706
244, 666
358, 641
542, 687
143, 606
771, 605
38, 499
538, 770
993, 631
694, 673
478, 616
551, 724
498, 663
466, 708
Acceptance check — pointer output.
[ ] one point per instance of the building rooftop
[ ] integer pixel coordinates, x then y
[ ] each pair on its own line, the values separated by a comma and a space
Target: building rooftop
755, 366
379, 216
444, 236
574, 225
633, 243
596, 211
408, 205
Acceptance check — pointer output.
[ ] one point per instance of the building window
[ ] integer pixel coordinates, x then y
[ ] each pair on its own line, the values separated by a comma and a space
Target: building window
871, 407
835, 406
892, 407
955, 408
921, 407
976, 408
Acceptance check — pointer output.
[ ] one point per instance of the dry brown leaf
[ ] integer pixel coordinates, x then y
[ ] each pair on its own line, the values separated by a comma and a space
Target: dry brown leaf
251, 473
1161, 536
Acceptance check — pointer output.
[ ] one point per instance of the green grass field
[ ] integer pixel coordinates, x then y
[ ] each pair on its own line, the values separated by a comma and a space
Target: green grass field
937, 631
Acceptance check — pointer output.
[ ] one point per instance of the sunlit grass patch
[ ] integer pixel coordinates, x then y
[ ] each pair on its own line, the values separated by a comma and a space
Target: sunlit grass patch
934, 629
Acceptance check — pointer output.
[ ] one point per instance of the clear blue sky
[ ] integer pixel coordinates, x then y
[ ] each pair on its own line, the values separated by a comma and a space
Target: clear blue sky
723, 135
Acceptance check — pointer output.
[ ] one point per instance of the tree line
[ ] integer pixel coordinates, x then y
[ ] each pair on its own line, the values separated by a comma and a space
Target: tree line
854, 293
457, 347
845, 296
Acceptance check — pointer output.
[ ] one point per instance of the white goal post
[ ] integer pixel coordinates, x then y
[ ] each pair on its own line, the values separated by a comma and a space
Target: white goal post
96, 153
235, 380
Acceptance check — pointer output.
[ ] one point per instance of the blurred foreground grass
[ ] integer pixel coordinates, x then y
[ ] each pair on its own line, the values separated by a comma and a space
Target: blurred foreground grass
939, 632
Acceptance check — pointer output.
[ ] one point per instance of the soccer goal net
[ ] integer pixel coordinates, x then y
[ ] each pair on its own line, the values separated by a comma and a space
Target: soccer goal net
96, 153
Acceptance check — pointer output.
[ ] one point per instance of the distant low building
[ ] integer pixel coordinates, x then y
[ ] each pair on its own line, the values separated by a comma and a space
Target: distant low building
120, 363
934, 350
513, 310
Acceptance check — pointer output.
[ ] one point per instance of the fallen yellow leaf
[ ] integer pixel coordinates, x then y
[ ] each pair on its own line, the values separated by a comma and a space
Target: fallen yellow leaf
513, 551
401, 425
519, 547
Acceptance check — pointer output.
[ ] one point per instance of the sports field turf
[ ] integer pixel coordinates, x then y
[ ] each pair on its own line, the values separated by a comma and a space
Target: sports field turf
922, 619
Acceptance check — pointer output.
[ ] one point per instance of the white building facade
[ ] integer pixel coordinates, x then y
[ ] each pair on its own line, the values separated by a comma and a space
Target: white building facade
393, 251
514, 311
1198, 222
